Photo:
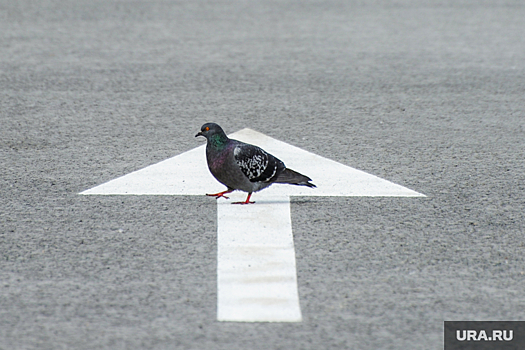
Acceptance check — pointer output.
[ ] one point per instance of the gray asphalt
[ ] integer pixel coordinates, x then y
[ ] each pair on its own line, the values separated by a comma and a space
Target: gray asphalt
427, 94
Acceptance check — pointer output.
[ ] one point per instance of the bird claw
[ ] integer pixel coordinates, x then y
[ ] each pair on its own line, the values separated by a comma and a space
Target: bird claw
220, 194
217, 195
246, 202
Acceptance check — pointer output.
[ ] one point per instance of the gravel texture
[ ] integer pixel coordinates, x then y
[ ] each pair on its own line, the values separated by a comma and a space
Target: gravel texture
427, 94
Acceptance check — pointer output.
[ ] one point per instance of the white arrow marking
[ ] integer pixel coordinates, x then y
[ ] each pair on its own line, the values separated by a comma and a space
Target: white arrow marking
256, 275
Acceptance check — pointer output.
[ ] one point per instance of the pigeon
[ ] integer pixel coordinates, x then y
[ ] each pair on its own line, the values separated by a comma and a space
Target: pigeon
244, 167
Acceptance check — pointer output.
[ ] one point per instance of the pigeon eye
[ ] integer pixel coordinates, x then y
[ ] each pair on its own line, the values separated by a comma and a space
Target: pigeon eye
206, 129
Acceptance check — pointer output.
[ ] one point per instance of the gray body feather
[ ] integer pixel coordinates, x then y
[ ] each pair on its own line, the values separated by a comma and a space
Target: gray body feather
245, 167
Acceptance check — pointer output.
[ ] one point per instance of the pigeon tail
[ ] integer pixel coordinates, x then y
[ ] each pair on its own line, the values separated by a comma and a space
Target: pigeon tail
289, 176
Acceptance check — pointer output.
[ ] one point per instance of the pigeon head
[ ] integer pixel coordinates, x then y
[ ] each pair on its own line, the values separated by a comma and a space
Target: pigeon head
213, 134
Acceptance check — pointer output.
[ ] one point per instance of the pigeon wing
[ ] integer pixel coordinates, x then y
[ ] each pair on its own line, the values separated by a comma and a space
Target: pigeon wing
256, 164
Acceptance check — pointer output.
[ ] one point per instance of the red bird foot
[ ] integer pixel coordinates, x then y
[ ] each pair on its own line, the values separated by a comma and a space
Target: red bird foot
220, 194
247, 201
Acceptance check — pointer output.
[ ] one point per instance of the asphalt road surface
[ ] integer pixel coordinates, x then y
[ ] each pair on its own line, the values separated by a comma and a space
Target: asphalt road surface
427, 94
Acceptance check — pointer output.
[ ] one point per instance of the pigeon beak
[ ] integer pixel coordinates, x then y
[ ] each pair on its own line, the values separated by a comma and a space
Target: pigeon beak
199, 134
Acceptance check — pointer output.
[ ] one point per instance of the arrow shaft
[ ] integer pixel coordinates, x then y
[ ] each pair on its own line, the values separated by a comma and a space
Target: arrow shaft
256, 273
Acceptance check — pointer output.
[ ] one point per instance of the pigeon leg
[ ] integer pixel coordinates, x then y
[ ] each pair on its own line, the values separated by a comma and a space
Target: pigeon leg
220, 194
247, 201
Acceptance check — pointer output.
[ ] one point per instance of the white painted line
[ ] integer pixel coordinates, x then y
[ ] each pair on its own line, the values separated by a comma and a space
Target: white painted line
256, 260
256, 275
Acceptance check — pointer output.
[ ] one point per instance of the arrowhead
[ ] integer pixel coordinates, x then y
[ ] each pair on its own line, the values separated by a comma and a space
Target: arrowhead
188, 174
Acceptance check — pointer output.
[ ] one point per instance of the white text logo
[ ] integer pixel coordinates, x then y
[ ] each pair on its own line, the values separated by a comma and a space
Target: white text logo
472, 335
